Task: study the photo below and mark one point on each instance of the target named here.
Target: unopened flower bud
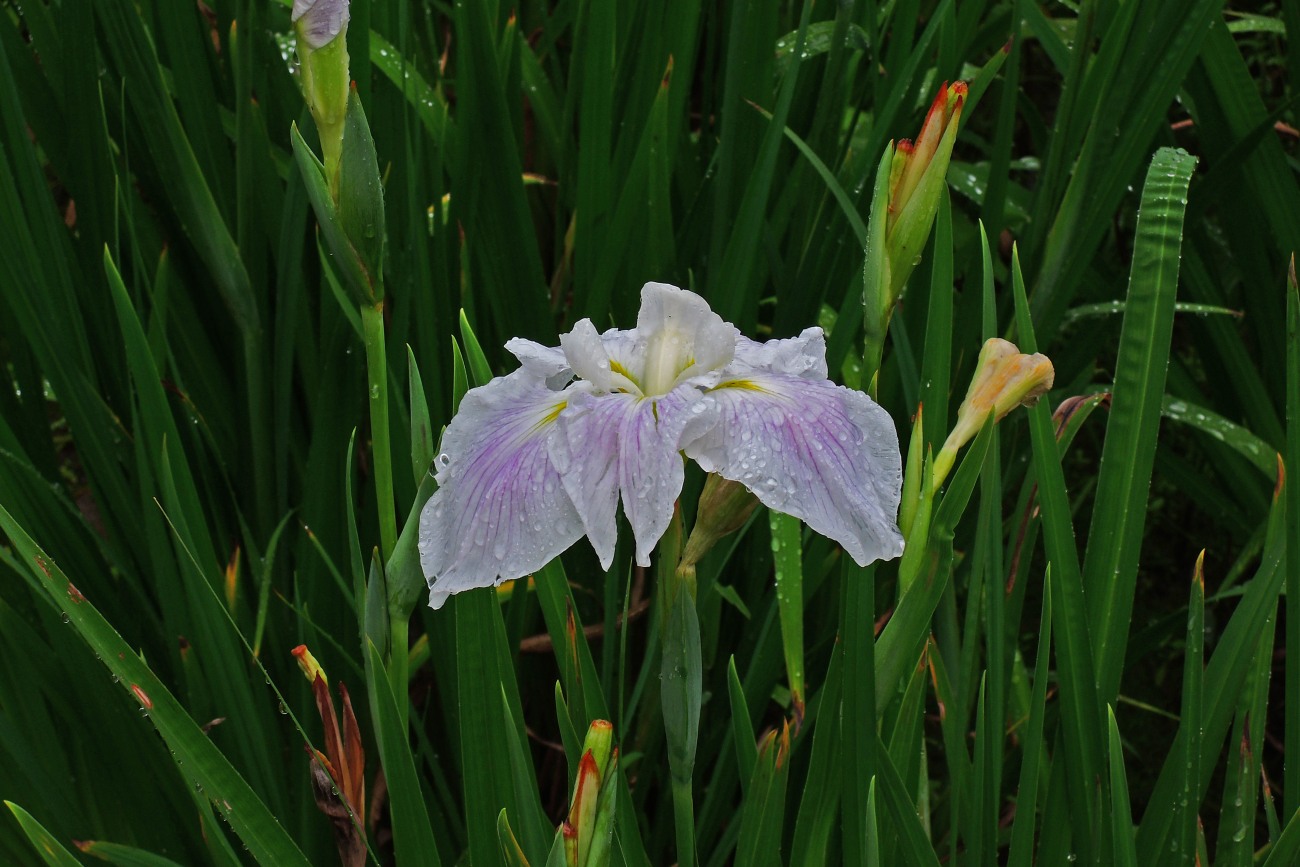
(589, 825)
(723, 509)
(322, 27)
(319, 22)
(308, 664)
(917, 176)
(1005, 378)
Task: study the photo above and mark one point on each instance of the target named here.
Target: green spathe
(322, 28)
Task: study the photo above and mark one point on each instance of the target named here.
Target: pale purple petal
(586, 456)
(809, 448)
(320, 21)
(500, 511)
(620, 443)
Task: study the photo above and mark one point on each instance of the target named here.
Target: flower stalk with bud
(347, 194)
(1005, 378)
(322, 29)
(910, 180)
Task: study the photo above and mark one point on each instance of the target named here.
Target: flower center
(668, 352)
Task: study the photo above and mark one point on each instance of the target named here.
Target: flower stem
(684, 819)
(372, 318)
(399, 662)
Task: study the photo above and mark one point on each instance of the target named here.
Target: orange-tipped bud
(917, 173)
(588, 829)
(308, 664)
(930, 151)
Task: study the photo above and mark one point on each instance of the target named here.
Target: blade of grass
(1121, 814)
(859, 710)
(491, 205)
(818, 806)
(761, 816)
(1021, 851)
(52, 852)
(1120, 103)
(1291, 691)
(413, 840)
(787, 552)
(124, 856)
(916, 846)
(1082, 723)
(736, 278)
(1224, 678)
(1189, 801)
(204, 763)
(680, 690)
(742, 734)
(1287, 847)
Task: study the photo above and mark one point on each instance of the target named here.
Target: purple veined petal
(501, 510)
(812, 449)
(319, 21)
(546, 362)
(803, 356)
(624, 444)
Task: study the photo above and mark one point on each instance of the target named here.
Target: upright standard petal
(622, 443)
(501, 510)
(807, 447)
(681, 337)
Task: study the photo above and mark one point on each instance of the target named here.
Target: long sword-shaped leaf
(1082, 719)
(1291, 772)
(52, 852)
(1115, 540)
(203, 762)
(1121, 816)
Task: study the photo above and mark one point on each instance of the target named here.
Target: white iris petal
(524, 481)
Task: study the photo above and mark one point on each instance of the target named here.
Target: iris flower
(537, 459)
